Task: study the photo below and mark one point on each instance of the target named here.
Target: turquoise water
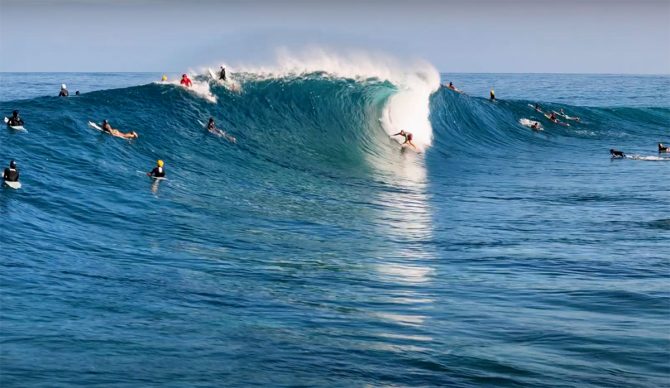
(314, 252)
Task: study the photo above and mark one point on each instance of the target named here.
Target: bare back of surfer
(106, 127)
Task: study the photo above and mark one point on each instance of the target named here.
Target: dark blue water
(314, 252)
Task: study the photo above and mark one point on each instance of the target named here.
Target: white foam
(199, 88)
(415, 80)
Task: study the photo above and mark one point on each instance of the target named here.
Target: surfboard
(211, 74)
(573, 118)
(529, 123)
(93, 125)
(13, 185)
(15, 127)
(556, 121)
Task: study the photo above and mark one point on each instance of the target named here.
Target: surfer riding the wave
(185, 81)
(408, 137)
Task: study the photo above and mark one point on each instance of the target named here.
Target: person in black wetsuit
(210, 125)
(15, 120)
(492, 95)
(662, 148)
(11, 173)
(158, 171)
(222, 74)
(617, 154)
(63, 91)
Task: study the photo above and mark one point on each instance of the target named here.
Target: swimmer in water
(408, 137)
(107, 128)
(158, 171)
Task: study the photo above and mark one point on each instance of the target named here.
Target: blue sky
(575, 36)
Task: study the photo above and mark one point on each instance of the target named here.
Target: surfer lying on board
(662, 148)
(158, 171)
(211, 127)
(535, 126)
(617, 154)
(115, 132)
(565, 115)
(538, 108)
(15, 120)
(11, 174)
(408, 137)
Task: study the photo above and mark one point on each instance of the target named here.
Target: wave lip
(408, 108)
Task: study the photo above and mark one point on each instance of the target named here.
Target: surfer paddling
(408, 137)
(662, 148)
(107, 128)
(617, 154)
(211, 127)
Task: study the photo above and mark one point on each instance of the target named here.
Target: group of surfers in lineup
(552, 116)
(11, 173)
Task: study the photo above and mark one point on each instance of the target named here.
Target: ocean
(316, 251)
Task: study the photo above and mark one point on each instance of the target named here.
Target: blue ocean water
(314, 252)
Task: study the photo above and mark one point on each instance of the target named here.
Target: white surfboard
(15, 127)
(93, 125)
(529, 123)
(13, 185)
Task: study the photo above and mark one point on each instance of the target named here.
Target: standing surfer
(222, 74)
(185, 81)
(492, 95)
(408, 137)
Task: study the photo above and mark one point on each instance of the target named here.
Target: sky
(522, 36)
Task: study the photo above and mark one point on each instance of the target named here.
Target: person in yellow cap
(164, 78)
(492, 96)
(158, 171)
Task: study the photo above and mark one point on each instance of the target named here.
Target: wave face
(316, 251)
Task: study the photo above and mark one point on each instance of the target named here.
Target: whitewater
(316, 250)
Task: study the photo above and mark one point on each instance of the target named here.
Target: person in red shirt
(186, 81)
